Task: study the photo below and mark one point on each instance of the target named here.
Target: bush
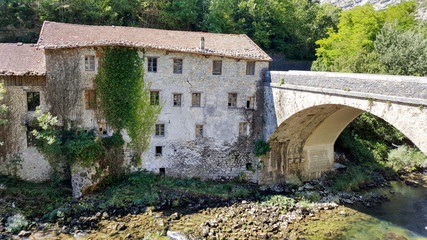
(404, 158)
(261, 147)
(16, 223)
(278, 200)
(355, 178)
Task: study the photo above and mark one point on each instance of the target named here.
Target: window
(90, 99)
(217, 67)
(232, 100)
(199, 130)
(195, 100)
(162, 171)
(152, 64)
(177, 66)
(159, 151)
(250, 68)
(249, 167)
(177, 100)
(103, 129)
(90, 63)
(243, 129)
(250, 102)
(160, 129)
(33, 100)
(154, 97)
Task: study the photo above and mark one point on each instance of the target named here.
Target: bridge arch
(302, 125)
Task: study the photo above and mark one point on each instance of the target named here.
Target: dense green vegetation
(287, 26)
(381, 42)
(125, 97)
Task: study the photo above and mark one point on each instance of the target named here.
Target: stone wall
(221, 152)
(18, 157)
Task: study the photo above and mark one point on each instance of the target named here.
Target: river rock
(393, 236)
(411, 183)
(176, 236)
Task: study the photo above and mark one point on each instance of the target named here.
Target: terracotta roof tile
(63, 35)
(21, 59)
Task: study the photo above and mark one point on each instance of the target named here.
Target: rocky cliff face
(378, 5)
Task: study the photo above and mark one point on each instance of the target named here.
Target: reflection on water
(404, 214)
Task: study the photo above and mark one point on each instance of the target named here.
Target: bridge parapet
(404, 89)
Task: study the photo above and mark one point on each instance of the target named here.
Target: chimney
(202, 43)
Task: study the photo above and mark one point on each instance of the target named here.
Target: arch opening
(303, 144)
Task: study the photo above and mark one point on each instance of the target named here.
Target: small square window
(199, 130)
(232, 100)
(217, 67)
(243, 129)
(159, 151)
(90, 99)
(154, 97)
(90, 63)
(177, 66)
(249, 166)
(152, 64)
(195, 99)
(160, 129)
(250, 102)
(33, 100)
(162, 171)
(250, 68)
(177, 100)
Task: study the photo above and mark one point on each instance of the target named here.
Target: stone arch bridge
(305, 112)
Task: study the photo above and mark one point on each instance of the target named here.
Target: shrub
(16, 223)
(261, 147)
(404, 158)
(278, 200)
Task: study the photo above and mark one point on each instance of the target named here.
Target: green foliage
(308, 196)
(16, 223)
(261, 147)
(63, 146)
(404, 158)
(278, 200)
(32, 199)
(351, 48)
(355, 178)
(18, 13)
(125, 97)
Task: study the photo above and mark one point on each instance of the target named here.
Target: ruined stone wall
(221, 152)
(18, 157)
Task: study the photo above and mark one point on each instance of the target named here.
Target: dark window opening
(249, 166)
(250, 68)
(162, 171)
(152, 64)
(177, 100)
(33, 100)
(195, 100)
(159, 151)
(154, 97)
(217, 67)
(232, 100)
(177, 66)
(250, 102)
(160, 129)
(199, 130)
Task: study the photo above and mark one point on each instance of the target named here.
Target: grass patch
(148, 189)
(31, 199)
(354, 179)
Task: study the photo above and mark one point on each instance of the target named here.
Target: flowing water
(405, 215)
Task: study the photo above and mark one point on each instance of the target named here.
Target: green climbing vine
(125, 97)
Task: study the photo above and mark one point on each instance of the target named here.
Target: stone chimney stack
(202, 43)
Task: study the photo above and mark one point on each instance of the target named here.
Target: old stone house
(210, 86)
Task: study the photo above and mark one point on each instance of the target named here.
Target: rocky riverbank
(278, 212)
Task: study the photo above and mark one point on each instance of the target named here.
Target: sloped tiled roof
(21, 59)
(63, 35)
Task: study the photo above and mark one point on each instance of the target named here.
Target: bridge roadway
(305, 112)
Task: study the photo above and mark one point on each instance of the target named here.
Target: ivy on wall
(125, 97)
